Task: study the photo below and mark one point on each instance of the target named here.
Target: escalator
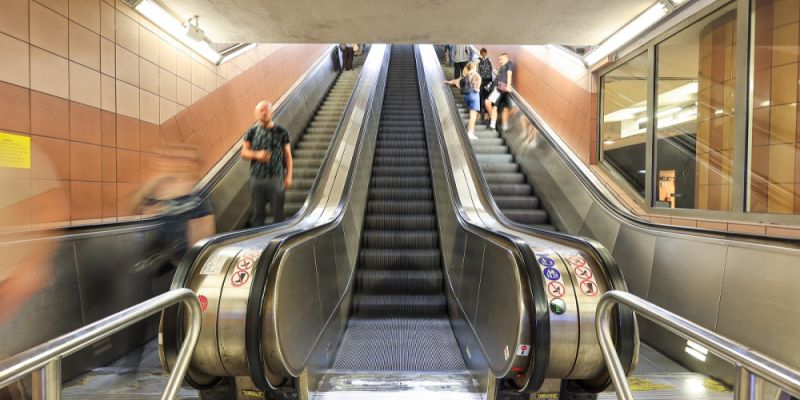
(512, 192)
(399, 323)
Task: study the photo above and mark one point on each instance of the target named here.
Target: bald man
(267, 146)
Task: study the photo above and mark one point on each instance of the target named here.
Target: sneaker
(505, 127)
(471, 135)
(492, 125)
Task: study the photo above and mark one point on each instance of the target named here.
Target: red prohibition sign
(576, 260)
(583, 272)
(245, 264)
(589, 287)
(556, 289)
(239, 278)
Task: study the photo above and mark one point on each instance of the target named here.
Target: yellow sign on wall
(15, 151)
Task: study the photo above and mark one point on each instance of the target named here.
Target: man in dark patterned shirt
(267, 146)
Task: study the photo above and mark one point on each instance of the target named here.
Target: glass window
(695, 115)
(774, 176)
(623, 130)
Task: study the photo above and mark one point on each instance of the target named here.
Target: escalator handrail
(626, 329)
(518, 248)
(202, 189)
(183, 272)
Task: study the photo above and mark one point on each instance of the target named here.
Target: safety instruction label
(239, 278)
(15, 151)
(588, 284)
(553, 280)
(523, 350)
(214, 264)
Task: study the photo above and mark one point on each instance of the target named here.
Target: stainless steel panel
(634, 252)
(471, 276)
(687, 278)
(601, 227)
(326, 267)
(760, 306)
(344, 265)
(298, 316)
(455, 268)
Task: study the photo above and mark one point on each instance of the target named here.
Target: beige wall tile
(108, 97)
(210, 81)
(127, 32)
(59, 6)
(197, 93)
(184, 92)
(782, 125)
(198, 73)
(84, 46)
(784, 84)
(49, 30)
(149, 45)
(781, 163)
(167, 57)
(127, 66)
(108, 57)
(167, 110)
(49, 73)
(107, 21)
(15, 67)
(184, 65)
(168, 85)
(84, 85)
(127, 99)
(14, 18)
(127, 10)
(148, 107)
(86, 13)
(148, 76)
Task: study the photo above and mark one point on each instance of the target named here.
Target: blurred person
(267, 146)
(448, 54)
(187, 218)
(500, 98)
(460, 55)
(470, 84)
(26, 254)
(347, 53)
(485, 70)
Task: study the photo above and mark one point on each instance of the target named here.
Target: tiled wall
(98, 88)
(559, 89)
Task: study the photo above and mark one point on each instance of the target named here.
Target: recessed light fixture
(609, 141)
(166, 21)
(626, 33)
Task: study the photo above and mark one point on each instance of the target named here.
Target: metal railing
(750, 365)
(44, 361)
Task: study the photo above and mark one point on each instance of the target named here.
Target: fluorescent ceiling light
(628, 32)
(237, 52)
(164, 20)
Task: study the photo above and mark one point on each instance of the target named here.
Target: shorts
(473, 101)
(504, 101)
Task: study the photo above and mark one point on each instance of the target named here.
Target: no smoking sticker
(583, 272)
(556, 289)
(589, 287)
(239, 278)
(576, 260)
(523, 350)
(245, 264)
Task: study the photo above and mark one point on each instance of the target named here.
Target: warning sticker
(239, 278)
(546, 261)
(523, 350)
(203, 302)
(551, 273)
(214, 264)
(15, 151)
(556, 289)
(245, 264)
(576, 260)
(589, 287)
(583, 272)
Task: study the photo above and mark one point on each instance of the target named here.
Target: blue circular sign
(546, 261)
(552, 274)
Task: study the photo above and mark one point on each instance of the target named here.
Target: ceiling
(568, 22)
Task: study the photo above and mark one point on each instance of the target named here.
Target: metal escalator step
(494, 158)
(401, 194)
(295, 195)
(480, 149)
(504, 177)
(320, 154)
(400, 222)
(401, 161)
(400, 182)
(399, 281)
(399, 207)
(516, 202)
(312, 145)
(400, 239)
(510, 189)
(400, 144)
(530, 217)
(401, 153)
(499, 167)
(417, 306)
(305, 172)
(488, 142)
(405, 259)
(400, 171)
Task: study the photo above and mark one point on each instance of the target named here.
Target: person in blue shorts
(470, 86)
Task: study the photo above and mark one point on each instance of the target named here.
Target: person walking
(347, 53)
(266, 145)
(470, 86)
(461, 55)
(485, 70)
(500, 98)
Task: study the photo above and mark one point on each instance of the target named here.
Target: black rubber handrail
(626, 321)
(172, 335)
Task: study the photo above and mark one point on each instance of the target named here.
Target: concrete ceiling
(569, 22)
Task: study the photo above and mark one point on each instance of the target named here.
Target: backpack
(485, 69)
(464, 85)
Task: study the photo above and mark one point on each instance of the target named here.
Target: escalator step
(405, 259)
(401, 194)
(515, 202)
(400, 171)
(400, 222)
(399, 281)
(399, 207)
(505, 177)
(510, 189)
(532, 217)
(400, 239)
(401, 161)
(400, 181)
(417, 306)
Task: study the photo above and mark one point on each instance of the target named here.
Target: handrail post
(187, 348)
(747, 385)
(614, 365)
(47, 381)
